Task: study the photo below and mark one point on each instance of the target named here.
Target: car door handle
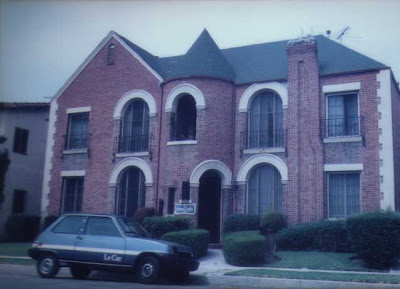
(79, 238)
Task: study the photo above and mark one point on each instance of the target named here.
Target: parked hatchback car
(85, 242)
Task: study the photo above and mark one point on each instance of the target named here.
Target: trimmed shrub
(272, 222)
(158, 226)
(195, 239)
(375, 237)
(142, 213)
(245, 248)
(48, 221)
(241, 222)
(22, 228)
(326, 236)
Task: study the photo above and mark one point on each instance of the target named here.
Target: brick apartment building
(308, 127)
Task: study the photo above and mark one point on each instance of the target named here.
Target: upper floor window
(343, 118)
(72, 194)
(111, 54)
(134, 134)
(265, 121)
(343, 194)
(77, 135)
(21, 140)
(183, 122)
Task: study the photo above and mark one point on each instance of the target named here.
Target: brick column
(305, 149)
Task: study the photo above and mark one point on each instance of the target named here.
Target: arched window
(183, 122)
(264, 190)
(131, 192)
(265, 121)
(134, 135)
(111, 54)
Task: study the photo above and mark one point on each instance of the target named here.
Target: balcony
(264, 140)
(342, 129)
(132, 144)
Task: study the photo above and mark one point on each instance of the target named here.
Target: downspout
(234, 189)
(159, 145)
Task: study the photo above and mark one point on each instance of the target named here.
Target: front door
(210, 204)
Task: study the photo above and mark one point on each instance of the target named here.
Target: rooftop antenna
(341, 34)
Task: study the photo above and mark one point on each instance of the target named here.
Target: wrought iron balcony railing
(76, 141)
(274, 138)
(131, 144)
(342, 127)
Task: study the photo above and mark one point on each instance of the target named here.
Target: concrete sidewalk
(213, 267)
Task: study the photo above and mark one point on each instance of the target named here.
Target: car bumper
(173, 262)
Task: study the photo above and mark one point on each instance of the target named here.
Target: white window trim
(220, 167)
(131, 162)
(75, 151)
(343, 167)
(73, 173)
(266, 150)
(342, 87)
(327, 95)
(135, 94)
(182, 142)
(327, 190)
(343, 139)
(184, 88)
(278, 88)
(79, 109)
(137, 154)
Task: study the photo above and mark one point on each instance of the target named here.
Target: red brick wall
(99, 86)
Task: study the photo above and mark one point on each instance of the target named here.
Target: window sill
(135, 154)
(75, 151)
(182, 142)
(343, 139)
(266, 150)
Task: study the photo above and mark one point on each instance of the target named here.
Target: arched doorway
(209, 207)
(131, 192)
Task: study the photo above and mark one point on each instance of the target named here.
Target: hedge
(245, 248)
(195, 239)
(272, 221)
(241, 222)
(22, 228)
(326, 236)
(375, 237)
(158, 226)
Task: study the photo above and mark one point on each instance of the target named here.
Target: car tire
(148, 270)
(79, 271)
(47, 266)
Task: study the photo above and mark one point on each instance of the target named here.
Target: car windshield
(132, 227)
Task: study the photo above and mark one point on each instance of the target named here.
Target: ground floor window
(264, 190)
(131, 192)
(72, 194)
(343, 194)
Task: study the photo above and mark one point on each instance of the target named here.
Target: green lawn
(347, 277)
(15, 249)
(318, 260)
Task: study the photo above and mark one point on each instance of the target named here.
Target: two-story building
(308, 127)
(23, 127)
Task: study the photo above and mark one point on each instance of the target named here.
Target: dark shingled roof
(252, 63)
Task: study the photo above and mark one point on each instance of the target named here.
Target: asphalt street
(25, 277)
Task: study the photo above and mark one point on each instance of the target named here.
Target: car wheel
(148, 270)
(47, 266)
(79, 271)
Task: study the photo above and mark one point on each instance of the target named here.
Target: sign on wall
(185, 209)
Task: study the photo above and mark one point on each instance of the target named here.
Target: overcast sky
(43, 42)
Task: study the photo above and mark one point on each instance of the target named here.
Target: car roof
(91, 215)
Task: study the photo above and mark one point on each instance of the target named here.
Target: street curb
(275, 283)
(14, 257)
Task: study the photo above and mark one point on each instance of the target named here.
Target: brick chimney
(305, 149)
